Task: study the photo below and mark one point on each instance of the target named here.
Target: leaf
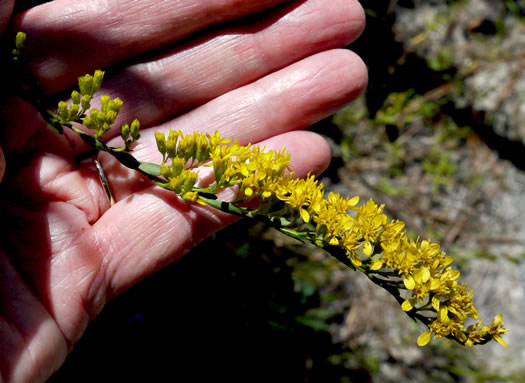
(150, 168)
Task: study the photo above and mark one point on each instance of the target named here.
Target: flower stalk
(416, 272)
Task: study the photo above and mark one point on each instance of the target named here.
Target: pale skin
(188, 64)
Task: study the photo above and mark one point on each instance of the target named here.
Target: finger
(6, 8)
(290, 99)
(68, 38)
(150, 229)
(229, 58)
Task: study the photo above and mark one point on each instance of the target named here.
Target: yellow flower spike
(424, 339)
(248, 192)
(409, 282)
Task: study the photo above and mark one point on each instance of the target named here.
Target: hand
(254, 70)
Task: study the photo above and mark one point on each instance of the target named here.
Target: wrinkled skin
(189, 64)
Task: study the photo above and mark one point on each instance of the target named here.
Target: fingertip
(356, 74)
(357, 21)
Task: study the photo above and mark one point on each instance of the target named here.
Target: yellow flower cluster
(417, 270)
(256, 172)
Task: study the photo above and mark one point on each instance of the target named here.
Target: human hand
(188, 65)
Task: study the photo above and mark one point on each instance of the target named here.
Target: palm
(66, 250)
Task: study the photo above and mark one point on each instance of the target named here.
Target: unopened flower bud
(20, 39)
(124, 132)
(135, 127)
(75, 97)
(161, 143)
(86, 102)
(85, 84)
(63, 110)
(73, 111)
(97, 80)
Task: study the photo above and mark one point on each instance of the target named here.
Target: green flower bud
(73, 111)
(175, 184)
(124, 132)
(171, 144)
(75, 97)
(85, 84)
(97, 80)
(161, 143)
(89, 123)
(203, 149)
(186, 147)
(177, 166)
(165, 171)
(94, 118)
(111, 116)
(189, 180)
(20, 39)
(86, 102)
(104, 100)
(135, 127)
(63, 110)
(115, 105)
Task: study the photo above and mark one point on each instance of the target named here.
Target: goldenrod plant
(416, 272)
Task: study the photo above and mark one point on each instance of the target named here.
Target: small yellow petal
(367, 248)
(376, 265)
(356, 261)
(248, 192)
(425, 274)
(304, 215)
(407, 305)
(354, 201)
(409, 282)
(436, 303)
(424, 339)
(435, 283)
(334, 241)
(443, 314)
(500, 340)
